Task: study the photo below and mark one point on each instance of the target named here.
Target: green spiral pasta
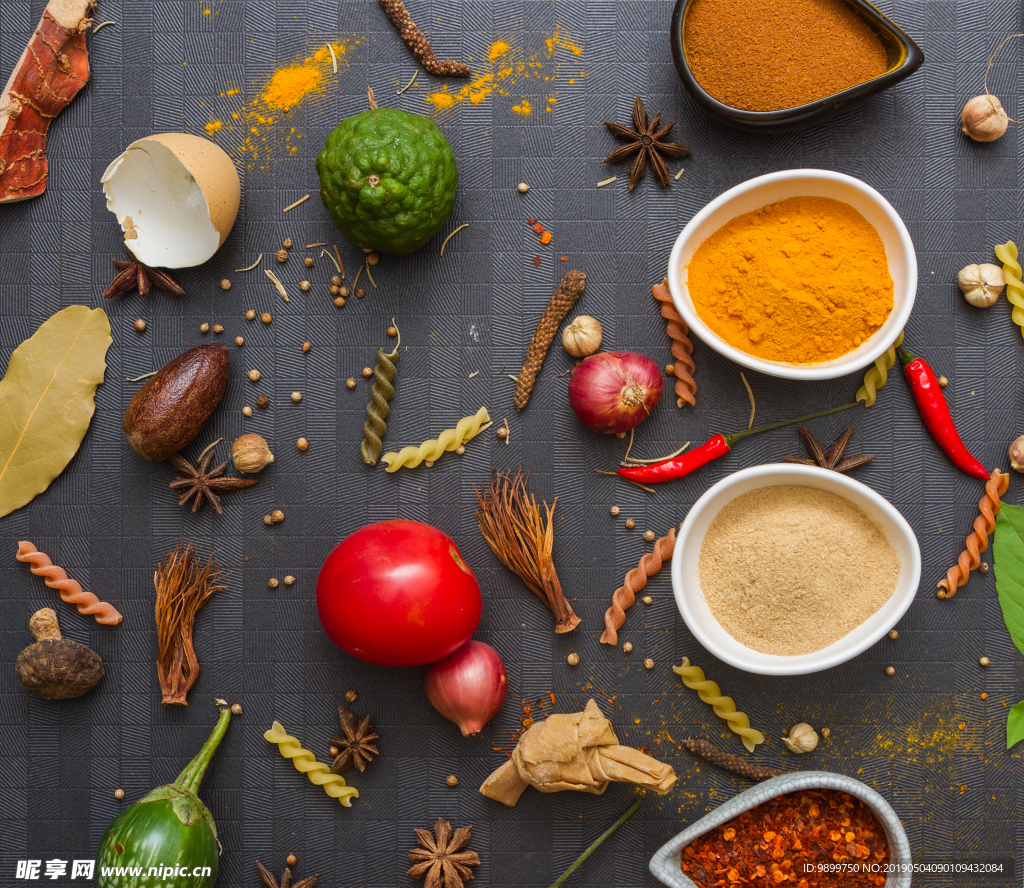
(378, 409)
(724, 707)
(317, 772)
(1007, 254)
(878, 374)
(467, 427)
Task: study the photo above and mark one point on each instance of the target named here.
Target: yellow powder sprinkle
(498, 49)
(213, 126)
(523, 108)
(289, 86)
(442, 99)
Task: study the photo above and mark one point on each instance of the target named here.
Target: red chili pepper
(931, 403)
(718, 445)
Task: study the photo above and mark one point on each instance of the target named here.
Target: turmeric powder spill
(801, 281)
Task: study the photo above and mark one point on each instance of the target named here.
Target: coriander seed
(614, 511)
(302, 444)
(308, 262)
(306, 347)
(620, 435)
(825, 733)
(335, 280)
(266, 317)
(239, 341)
(451, 780)
(335, 290)
(277, 516)
(291, 860)
(305, 286)
(204, 328)
(272, 582)
(392, 331)
(429, 463)
(351, 697)
(281, 256)
(225, 284)
(502, 433)
(670, 369)
(250, 315)
(267, 519)
(119, 794)
(360, 292)
(140, 325)
(254, 375)
(627, 647)
(296, 397)
(893, 634)
(649, 536)
(573, 659)
(984, 661)
(367, 372)
(461, 449)
(247, 410)
(334, 752)
(350, 383)
(288, 243)
(340, 302)
(344, 290)
(263, 401)
(630, 523)
(648, 663)
(647, 599)
(890, 671)
(289, 580)
(522, 188)
(218, 328)
(943, 381)
(983, 567)
(372, 258)
(236, 708)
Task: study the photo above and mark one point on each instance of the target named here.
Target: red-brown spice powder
(783, 842)
(765, 55)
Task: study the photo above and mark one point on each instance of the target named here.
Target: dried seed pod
(281, 256)
(54, 667)
(250, 315)
(288, 243)
(308, 262)
(250, 454)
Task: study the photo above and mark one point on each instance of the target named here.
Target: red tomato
(397, 593)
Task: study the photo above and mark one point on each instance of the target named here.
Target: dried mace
(645, 142)
(56, 668)
(512, 524)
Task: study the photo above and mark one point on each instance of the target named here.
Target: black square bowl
(903, 55)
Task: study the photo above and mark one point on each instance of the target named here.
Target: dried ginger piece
(50, 73)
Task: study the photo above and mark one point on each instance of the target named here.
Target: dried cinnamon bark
(49, 74)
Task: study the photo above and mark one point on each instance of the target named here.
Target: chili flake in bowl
(811, 829)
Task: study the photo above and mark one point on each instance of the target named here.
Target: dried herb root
(729, 762)
(420, 46)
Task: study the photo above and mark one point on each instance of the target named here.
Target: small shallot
(468, 687)
(612, 392)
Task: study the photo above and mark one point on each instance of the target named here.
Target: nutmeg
(251, 454)
(56, 668)
(984, 119)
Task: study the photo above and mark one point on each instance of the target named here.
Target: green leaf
(1015, 725)
(1008, 561)
(46, 401)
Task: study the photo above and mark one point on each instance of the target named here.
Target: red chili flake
(545, 238)
(538, 228)
(785, 840)
(530, 221)
(536, 260)
(563, 258)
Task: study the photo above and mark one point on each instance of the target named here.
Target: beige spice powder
(789, 570)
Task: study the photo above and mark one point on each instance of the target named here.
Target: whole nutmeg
(251, 454)
(984, 119)
(56, 668)
(582, 337)
(1017, 455)
(802, 738)
(981, 284)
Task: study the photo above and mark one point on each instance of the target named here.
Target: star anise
(442, 860)
(834, 458)
(135, 275)
(286, 879)
(357, 747)
(198, 483)
(646, 141)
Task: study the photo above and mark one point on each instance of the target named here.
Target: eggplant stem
(189, 779)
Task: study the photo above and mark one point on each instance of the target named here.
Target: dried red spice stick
(49, 74)
(420, 46)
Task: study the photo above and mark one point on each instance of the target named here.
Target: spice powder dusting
(789, 570)
(766, 55)
(801, 281)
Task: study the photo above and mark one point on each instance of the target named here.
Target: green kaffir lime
(388, 179)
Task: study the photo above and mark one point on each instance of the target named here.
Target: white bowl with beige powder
(789, 569)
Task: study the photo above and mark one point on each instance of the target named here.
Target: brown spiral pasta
(635, 580)
(977, 541)
(682, 348)
(70, 590)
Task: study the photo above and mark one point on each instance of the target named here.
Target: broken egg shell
(175, 196)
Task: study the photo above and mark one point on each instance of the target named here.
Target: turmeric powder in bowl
(801, 281)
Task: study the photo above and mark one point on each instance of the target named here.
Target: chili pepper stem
(906, 355)
(595, 845)
(731, 440)
(189, 779)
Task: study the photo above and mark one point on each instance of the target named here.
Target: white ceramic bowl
(665, 865)
(754, 194)
(709, 632)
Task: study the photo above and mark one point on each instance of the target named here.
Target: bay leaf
(1015, 725)
(47, 399)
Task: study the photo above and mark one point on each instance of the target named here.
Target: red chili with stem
(716, 446)
(934, 410)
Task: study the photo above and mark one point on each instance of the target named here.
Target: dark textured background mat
(923, 738)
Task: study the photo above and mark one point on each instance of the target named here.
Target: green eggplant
(167, 838)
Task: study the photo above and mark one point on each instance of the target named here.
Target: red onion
(468, 687)
(612, 392)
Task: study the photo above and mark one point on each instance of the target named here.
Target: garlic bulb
(582, 337)
(984, 119)
(981, 284)
(1017, 455)
(251, 454)
(802, 738)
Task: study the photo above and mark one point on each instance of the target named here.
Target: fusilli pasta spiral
(878, 374)
(1007, 254)
(410, 457)
(636, 579)
(977, 540)
(682, 347)
(378, 409)
(317, 772)
(724, 707)
(70, 590)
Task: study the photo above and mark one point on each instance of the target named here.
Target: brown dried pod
(56, 668)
